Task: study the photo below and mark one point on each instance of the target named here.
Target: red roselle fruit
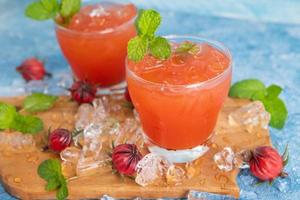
(83, 92)
(127, 95)
(32, 69)
(266, 164)
(125, 158)
(59, 139)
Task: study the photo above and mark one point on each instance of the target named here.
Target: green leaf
(52, 184)
(137, 48)
(42, 9)
(278, 112)
(147, 22)
(7, 115)
(187, 47)
(39, 102)
(273, 91)
(140, 11)
(62, 192)
(259, 96)
(50, 170)
(246, 88)
(69, 8)
(27, 124)
(160, 48)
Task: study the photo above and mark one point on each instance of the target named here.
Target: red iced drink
(178, 99)
(95, 41)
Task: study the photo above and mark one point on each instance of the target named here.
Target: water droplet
(221, 178)
(17, 180)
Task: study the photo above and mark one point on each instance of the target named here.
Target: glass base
(178, 156)
(114, 89)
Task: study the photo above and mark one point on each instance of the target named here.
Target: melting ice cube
(224, 159)
(151, 170)
(251, 116)
(16, 141)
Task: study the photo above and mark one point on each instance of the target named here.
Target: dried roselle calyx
(125, 158)
(267, 164)
(83, 92)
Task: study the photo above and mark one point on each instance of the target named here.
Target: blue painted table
(263, 36)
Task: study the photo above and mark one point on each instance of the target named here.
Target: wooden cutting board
(18, 170)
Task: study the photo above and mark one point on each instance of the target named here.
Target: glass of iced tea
(94, 42)
(178, 99)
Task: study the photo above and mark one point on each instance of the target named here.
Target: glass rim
(102, 32)
(216, 44)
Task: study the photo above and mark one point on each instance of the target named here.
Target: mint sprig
(42, 10)
(254, 89)
(50, 171)
(10, 119)
(146, 41)
(187, 47)
(61, 11)
(27, 124)
(39, 102)
(7, 115)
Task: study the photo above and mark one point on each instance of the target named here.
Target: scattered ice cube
(252, 115)
(106, 197)
(98, 11)
(70, 154)
(283, 184)
(100, 109)
(248, 195)
(224, 159)
(151, 170)
(197, 195)
(36, 86)
(84, 116)
(63, 80)
(16, 141)
(175, 175)
(91, 156)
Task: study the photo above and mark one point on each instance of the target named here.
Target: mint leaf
(39, 102)
(246, 88)
(187, 47)
(147, 22)
(137, 48)
(42, 9)
(160, 48)
(69, 8)
(27, 124)
(273, 91)
(50, 171)
(278, 112)
(259, 96)
(7, 115)
(52, 184)
(62, 192)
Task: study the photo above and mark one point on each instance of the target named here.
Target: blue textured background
(263, 36)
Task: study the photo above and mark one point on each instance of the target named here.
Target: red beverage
(95, 42)
(178, 99)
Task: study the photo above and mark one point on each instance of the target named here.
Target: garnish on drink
(177, 84)
(60, 11)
